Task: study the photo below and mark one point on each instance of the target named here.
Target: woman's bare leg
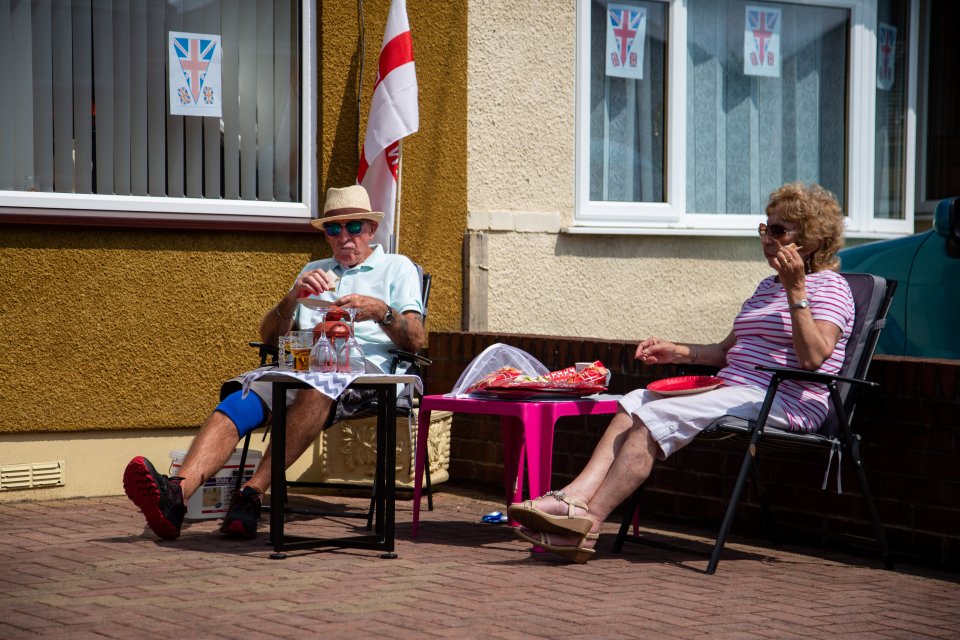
(588, 481)
(622, 432)
(629, 470)
(636, 451)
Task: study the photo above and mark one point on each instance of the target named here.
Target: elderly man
(384, 288)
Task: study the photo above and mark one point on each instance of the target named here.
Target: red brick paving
(87, 569)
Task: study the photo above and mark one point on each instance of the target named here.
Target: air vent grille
(31, 476)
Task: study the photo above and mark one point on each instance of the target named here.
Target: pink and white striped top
(763, 331)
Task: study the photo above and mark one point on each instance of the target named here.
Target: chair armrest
(813, 376)
(266, 350)
(407, 356)
(688, 369)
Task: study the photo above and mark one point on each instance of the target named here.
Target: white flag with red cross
(394, 114)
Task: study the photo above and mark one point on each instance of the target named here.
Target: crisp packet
(495, 377)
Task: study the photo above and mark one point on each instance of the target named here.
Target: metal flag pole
(395, 245)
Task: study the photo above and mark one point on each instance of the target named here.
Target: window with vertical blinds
(85, 105)
(737, 97)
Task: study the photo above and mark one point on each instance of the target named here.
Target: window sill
(155, 220)
(699, 232)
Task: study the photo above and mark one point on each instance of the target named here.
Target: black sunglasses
(775, 231)
(354, 228)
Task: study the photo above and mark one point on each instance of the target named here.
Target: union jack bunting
(886, 54)
(761, 42)
(626, 35)
(194, 61)
(194, 55)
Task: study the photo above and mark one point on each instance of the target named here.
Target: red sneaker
(242, 514)
(159, 497)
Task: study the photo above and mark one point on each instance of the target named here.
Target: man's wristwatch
(388, 318)
(803, 304)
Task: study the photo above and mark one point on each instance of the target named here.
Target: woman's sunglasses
(333, 229)
(775, 231)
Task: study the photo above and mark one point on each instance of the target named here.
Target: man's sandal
(527, 514)
(578, 554)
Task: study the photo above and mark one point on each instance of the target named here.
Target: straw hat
(348, 203)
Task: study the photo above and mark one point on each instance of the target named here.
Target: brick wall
(911, 438)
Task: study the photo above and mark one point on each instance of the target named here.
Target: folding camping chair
(268, 354)
(872, 296)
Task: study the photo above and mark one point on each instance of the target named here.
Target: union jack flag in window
(761, 42)
(195, 74)
(886, 54)
(626, 35)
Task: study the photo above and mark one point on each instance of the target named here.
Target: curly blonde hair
(816, 212)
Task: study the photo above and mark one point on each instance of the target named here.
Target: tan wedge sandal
(527, 514)
(578, 554)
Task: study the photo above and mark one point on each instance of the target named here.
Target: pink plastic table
(527, 430)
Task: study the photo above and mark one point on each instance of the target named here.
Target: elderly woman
(799, 317)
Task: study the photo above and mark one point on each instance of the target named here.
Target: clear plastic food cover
(497, 357)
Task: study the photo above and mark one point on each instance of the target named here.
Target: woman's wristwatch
(802, 304)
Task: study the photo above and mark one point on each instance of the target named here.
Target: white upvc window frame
(924, 205)
(69, 208)
(671, 217)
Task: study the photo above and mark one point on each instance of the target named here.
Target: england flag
(394, 114)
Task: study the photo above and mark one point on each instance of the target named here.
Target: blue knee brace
(247, 413)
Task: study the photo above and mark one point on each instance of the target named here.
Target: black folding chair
(269, 354)
(872, 296)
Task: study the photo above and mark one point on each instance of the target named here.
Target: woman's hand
(791, 268)
(813, 340)
(656, 351)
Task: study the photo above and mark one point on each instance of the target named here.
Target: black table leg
(383, 538)
(278, 471)
(387, 465)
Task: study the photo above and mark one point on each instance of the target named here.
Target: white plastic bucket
(212, 499)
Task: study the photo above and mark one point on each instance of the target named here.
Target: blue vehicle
(924, 319)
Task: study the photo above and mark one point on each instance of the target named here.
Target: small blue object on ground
(495, 517)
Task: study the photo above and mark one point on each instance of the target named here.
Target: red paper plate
(684, 385)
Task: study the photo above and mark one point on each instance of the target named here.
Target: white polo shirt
(389, 277)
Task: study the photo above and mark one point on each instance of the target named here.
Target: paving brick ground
(87, 569)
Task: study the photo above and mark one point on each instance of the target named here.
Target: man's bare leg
(305, 419)
(209, 451)
(163, 500)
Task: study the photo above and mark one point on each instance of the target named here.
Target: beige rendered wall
(521, 176)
